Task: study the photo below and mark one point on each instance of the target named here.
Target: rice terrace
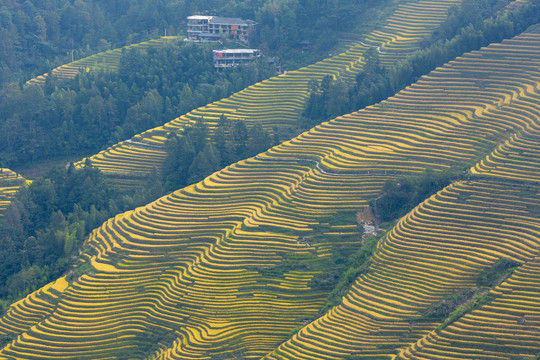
(366, 186)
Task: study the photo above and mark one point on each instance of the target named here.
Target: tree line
(195, 154)
(98, 109)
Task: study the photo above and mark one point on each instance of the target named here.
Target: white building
(234, 57)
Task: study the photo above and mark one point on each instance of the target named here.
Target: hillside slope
(279, 101)
(438, 250)
(506, 328)
(229, 266)
(446, 242)
(107, 60)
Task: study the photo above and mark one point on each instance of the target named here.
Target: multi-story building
(214, 28)
(234, 57)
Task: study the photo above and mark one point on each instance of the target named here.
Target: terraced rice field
(515, 157)
(10, 182)
(278, 101)
(201, 272)
(107, 61)
(33, 308)
(507, 328)
(439, 247)
(409, 25)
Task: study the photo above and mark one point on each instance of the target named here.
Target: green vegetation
(327, 100)
(196, 153)
(401, 195)
(49, 219)
(449, 304)
(497, 273)
(355, 265)
(476, 302)
(95, 110)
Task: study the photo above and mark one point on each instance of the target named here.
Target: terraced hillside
(229, 266)
(439, 248)
(10, 182)
(507, 328)
(515, 158)
(107, 60)
(448, 240)
(279, 101)
(407, 27)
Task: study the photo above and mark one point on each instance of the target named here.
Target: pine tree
(205, 163)
(259, 140)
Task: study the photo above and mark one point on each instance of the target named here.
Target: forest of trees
(46, 223)
(401, 195)
(95, 110)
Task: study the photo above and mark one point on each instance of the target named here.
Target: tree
(12, 224)
(240, 135)
(9, 262)
(39, 27)
(147, 113)
(58, 221)
(224, 142)
(258, 140)
(316, 109)
(180, 155)
(198, 134)
(70, 240)
(337, 99)
(205, 163)
(32, 252)
(373, 61)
